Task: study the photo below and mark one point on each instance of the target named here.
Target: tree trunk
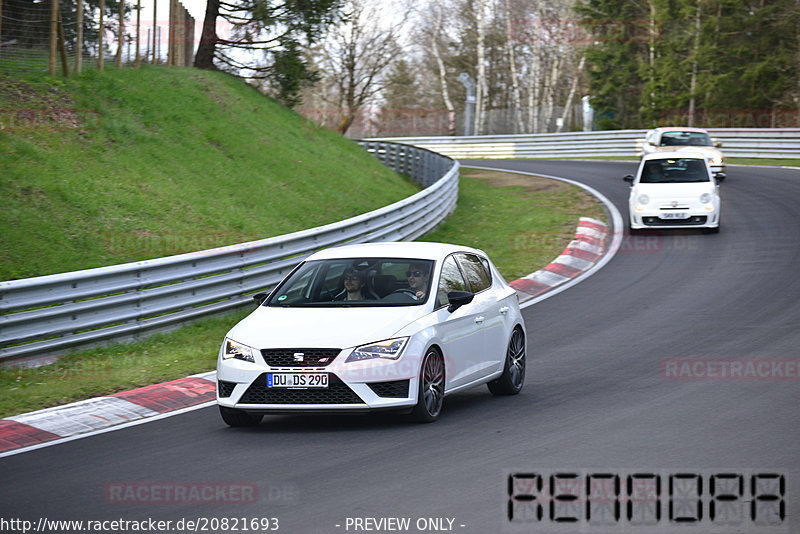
(571, 95)
(480, 82)
(512, 64)
(695, 53)
(439, 61)
(549, 91)
(442, 71)
(534, 83)
(652, 54)
(204, 59)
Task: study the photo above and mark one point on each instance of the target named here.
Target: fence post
(53, 31)
(62, 47)
(138, 31)
(100, 36)
(155, 25)
(78, 38)
(171, 34)
(121, 38)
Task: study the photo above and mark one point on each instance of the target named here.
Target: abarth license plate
(297, 380)
(675, 215)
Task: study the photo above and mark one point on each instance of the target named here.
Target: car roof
(674, 154)
(681, 129)
(399, 249)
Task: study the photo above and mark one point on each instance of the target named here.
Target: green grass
(125, 165)
(521, 222)
(102, 371)
(764, 161)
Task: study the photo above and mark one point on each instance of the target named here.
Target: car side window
(477, 276)
(450, 280)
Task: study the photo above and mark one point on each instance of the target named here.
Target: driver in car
(418, 277)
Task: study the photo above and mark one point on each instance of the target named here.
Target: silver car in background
(680, 138)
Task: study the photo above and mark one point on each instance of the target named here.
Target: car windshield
(685, 139)
(676, 170)
(345, 282)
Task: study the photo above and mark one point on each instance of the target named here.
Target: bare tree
(512, 65)
(434, 49)
(355, 57)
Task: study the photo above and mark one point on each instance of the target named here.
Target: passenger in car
(418, 277)
(354, 289)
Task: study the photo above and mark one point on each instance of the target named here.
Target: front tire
(430, 394)
(513, 377)
(237, 418)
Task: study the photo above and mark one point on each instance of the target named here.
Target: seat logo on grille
(299, 356)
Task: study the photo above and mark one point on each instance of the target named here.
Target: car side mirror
(628, 178)
(458, 299)
(652, 143)
(259, 298)
(718, 144)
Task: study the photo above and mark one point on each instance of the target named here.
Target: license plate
(674, 215)
(297, 380)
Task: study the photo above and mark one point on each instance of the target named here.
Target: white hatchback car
(674, 190)
(680, 138)
(395, 326)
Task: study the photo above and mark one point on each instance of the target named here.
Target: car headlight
(239, 351)
(643, 199)
(716, 160)
(389, 349)
(705, 198)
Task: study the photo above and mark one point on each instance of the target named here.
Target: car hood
(322, 327)
(675, 191)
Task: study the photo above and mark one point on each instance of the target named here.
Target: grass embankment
(125, 165)
(521, 222)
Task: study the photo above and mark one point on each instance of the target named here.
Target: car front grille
(396, 388)
(691, 221)
(225, 388)
(299, 357)
(337, 392)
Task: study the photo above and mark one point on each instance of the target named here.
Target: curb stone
(100, 413)
(588, 246)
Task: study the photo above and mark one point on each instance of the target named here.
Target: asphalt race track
(614, 387)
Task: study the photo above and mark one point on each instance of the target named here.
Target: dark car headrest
(383, 284)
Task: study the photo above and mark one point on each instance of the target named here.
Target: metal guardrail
(744, 143)
(52, 314)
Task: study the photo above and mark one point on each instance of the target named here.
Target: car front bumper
(656, 218)
(352, 387)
